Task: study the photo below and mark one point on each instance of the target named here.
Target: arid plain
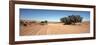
(54, 29)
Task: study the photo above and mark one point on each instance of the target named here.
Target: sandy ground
(54, 28)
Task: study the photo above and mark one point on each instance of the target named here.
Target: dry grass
(54, 28)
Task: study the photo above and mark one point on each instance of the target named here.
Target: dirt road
(54, 28)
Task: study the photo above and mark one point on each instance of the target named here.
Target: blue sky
(50, 15)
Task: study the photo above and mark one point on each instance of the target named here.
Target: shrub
(25, 24)
(44, 22)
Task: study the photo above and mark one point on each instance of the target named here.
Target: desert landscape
(54, 28)
(53, 22)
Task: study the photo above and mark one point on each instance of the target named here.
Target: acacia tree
(72, 19)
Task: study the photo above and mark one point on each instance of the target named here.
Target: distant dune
(54, 28)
